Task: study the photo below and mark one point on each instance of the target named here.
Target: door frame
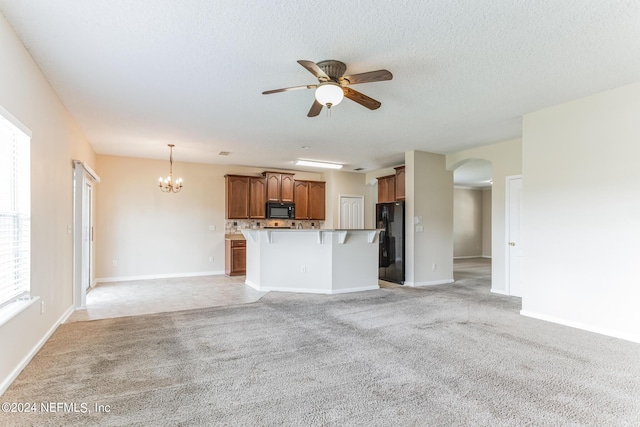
(507, 221)
(83, 177)
(340, 197)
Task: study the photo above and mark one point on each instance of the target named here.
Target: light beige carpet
(451, 355)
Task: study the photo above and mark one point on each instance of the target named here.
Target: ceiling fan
(333, 85)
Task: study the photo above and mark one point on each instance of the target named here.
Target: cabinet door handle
(512, 243)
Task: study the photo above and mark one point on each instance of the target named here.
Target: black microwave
(281, 210)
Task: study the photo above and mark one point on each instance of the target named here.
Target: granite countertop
(235, 236)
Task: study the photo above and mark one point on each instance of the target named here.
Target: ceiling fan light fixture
(318, 164)
(329, 94)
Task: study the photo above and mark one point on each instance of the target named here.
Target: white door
(82, 230)
(351, 212)
(514, 245)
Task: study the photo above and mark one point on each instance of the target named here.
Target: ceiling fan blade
(287, 89)
(315, 109)
(368, 77)
(315, 70)
(361, 99)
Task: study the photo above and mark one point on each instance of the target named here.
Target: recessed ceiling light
(318, 164)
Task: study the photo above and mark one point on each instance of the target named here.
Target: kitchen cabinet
(245, 197)
(387, 189)
(257, 197)
(235, 257)
(280, 186)
(400, 188)
(309, 197)
(237, 197)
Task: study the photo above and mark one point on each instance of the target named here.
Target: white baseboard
(579, 325)
(430, 283)
(471, 256)
(158, 276)
(499, 291)
(4, 385)
(309, 291)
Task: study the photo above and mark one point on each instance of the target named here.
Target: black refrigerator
(390, 218)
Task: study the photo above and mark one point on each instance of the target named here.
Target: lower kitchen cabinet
(235, 257)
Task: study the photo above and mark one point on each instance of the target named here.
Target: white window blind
(15, 213)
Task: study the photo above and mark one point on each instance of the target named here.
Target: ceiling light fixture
(168, 185)
(318, 164)
(329, 94)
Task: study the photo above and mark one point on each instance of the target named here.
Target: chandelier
(167, 184)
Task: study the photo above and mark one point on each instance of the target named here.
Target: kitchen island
(313, 261)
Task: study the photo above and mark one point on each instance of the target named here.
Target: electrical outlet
(114, 263)
(41, 307)
(210, 259)
(303, 269)
(212, 228)
(434, 266)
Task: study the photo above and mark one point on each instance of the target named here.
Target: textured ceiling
(137, 75)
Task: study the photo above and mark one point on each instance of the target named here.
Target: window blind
(15, 213)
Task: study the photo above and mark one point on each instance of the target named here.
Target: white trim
(17, 123)
(158, 276)
(87, 169)
(429, 283)
(309, 291)
(4, 385)
(14, 308)
(500, 291)
(579, 325)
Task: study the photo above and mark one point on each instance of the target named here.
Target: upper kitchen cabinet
(400, 189)
(237, 197)
(245, 197)
(387, 189)
(279, 186)
(310, 200)
(257, 197)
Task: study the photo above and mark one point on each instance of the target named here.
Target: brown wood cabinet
(309, 197)
(400, 188)
(257, 197)
(387, 189)
(301, 197)
(245, 197)
(235, 260)
(280, 186)
(237, 197)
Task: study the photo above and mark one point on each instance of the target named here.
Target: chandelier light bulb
(329, 94)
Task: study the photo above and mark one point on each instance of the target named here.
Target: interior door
(351, 212)
(514, 247)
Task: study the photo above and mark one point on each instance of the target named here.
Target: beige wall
(486, 223)
(581, 213)
(56, 141)
(467, 222)
(506, 160)
(429, 191)
(150, 233)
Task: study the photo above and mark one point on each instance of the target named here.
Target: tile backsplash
(232, 226)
